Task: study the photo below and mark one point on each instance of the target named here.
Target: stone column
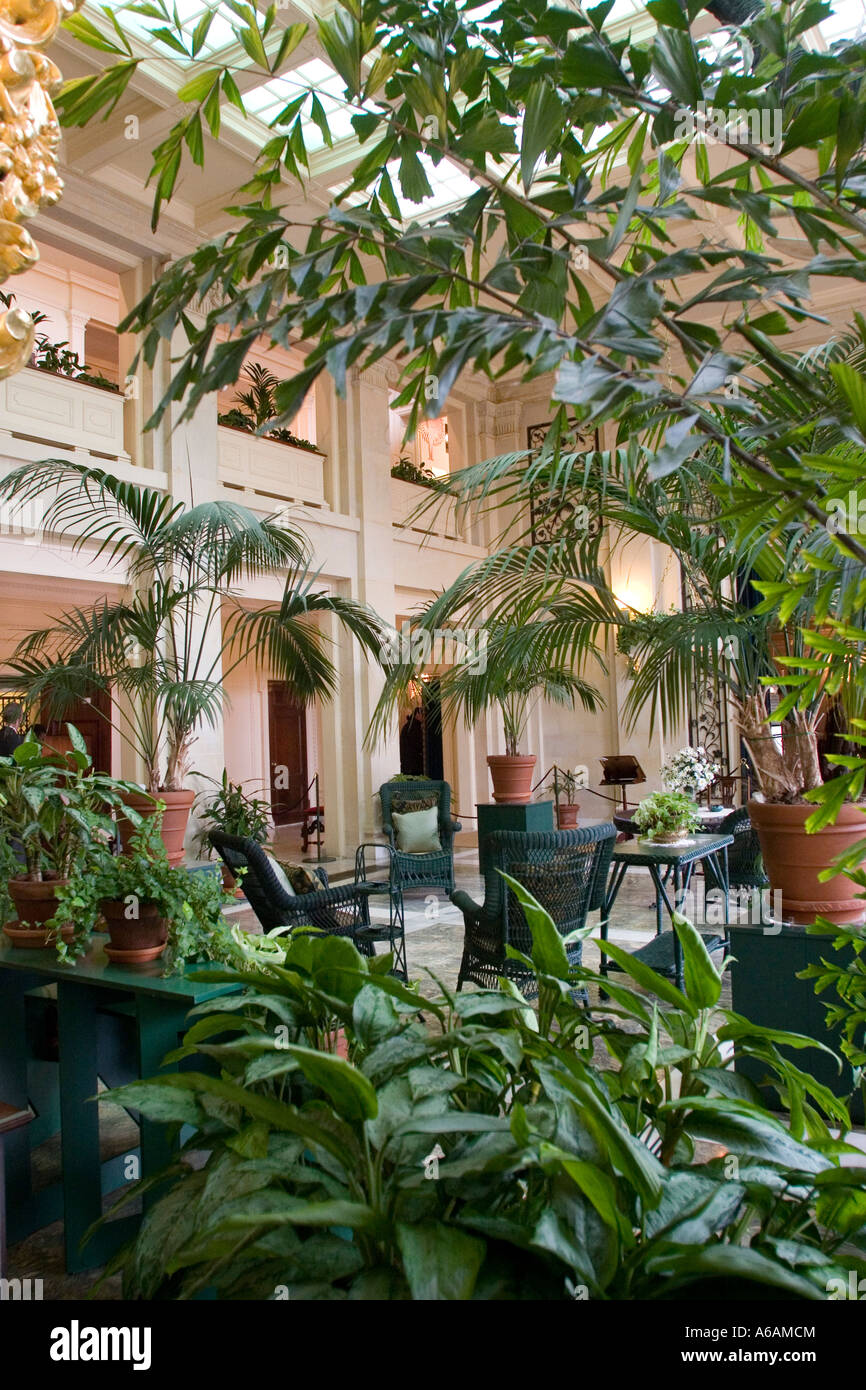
(78, 322)
(143, 388)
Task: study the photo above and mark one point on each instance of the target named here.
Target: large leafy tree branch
(569, 137)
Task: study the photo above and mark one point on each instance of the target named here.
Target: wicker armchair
(745, 862)
(340, 911)
(421, 870)
(566, 871)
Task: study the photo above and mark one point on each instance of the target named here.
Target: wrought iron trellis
(708, 709)
(550, 512)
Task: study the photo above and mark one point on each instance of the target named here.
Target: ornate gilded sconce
(29, 141)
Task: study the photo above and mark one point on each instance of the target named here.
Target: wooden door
(287, 735)
(90, 718)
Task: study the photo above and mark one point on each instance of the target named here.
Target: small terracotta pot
(35, 903)
(174, 820)
(134, 939)
(793, 859)
(567, 814)
(511, 776)
(230, 883)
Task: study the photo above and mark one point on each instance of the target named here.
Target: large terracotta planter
(35, 903)
(511, 776)
(793, 859)
(174, 820)
(137, 939)
(566, 815)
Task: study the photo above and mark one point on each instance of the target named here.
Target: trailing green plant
(258, 406)
(556, 1176)
(192, 903)
(183, 567)
(56, 807)
(233, 811)
(663, 813)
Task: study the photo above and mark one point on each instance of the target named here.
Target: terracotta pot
(230, 883)
(174, 821)
(35, 903)
(567, 814)
(511, 776)
(134, 939)
(793, 859)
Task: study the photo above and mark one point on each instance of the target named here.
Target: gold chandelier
(29, 141)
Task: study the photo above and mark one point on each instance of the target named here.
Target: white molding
(63, 415)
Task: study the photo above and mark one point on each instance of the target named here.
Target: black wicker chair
(340, 911)
(566, 871)
(434, 870)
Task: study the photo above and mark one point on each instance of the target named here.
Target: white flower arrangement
(690, 769)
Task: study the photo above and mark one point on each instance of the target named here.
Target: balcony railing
(62, 415)
(264, 471)
(439, 519)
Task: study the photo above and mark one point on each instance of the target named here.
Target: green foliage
(184, 566)
(233, 811)
(258, 406)
(559, 1175)
(56, 807)
(191, 902)
(410, 472)
(663, 813)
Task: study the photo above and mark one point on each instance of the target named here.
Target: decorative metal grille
(550, 511)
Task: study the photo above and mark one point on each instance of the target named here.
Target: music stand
(621, 770)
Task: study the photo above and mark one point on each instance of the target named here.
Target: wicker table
(666, 861)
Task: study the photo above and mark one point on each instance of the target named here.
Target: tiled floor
(434, 941)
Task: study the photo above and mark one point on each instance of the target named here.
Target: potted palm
(500, 674)
(164, 650)
(230, 809)
(564, 784)
(54, 812)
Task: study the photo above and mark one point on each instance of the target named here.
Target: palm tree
(734, 542)
(510, 671)
(163, 650)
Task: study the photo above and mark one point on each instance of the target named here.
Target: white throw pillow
(417, 831)
(281, 876)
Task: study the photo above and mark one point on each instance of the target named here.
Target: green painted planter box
(765, 990)
(530, 816)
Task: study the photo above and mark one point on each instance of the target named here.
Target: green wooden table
(156, 1006)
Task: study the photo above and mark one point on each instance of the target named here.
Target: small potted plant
(54, 811)
(666, 817)
(149, 907)
(233, 811)
(564, 785)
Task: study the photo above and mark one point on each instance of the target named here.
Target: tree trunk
(783, 774)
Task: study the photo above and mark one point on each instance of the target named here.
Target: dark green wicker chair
(421, 870)
(343, 910)
(566, 871)
(745, 862)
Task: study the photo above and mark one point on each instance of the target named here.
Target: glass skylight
(450, 186)
(848, 21)
(220, 34)
(268, 100)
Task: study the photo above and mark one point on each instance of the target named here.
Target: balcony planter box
(765, 990)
